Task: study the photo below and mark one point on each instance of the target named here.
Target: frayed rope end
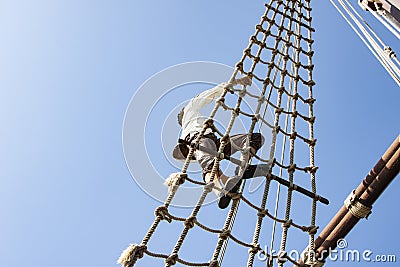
(172, 181)
(126, 255)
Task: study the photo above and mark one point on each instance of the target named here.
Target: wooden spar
(369, 196)
(359, 191)
(382, 174)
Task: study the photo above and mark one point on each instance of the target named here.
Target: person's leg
(238, 142)
(232, 185)
(219, 177)
(206, 161)
(255, 170)
(206, 158)
(256, 141)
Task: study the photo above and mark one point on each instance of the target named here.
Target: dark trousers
(211, 142)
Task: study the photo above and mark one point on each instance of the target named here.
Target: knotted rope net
(279, 59)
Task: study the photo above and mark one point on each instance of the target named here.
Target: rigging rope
(280, 49)
(384, 53)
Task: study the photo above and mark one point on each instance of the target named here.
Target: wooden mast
(359, 203)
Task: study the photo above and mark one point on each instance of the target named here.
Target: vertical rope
(311, 145)
(266, 189)
(283, 152)
(222, 242)
(289, 196)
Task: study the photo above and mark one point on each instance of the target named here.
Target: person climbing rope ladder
(191, 121)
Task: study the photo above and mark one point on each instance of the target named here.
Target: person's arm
(192, 109)
(206, 97)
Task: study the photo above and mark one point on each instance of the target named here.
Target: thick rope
(356, 208)
(311, 145)
(289, 197)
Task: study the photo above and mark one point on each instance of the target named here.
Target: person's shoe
(256, 141)
(255, 171)
(223, 201)
(232, 185)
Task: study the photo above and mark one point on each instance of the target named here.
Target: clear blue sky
(68, 70)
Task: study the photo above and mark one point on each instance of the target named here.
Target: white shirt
(193, 120)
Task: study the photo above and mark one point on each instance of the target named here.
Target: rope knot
(278, 111)
(241, 94)
(195, 145)
(255, 248)
(267, 81)
(161, 212)
(220, 101)
(271, 65)
(130, 255)
(293, 135)
(220, 155)
(247, 52)
(312, 230)
(239, 66)
(214, 264)
(292, 168)
(224, 140)
(209, 123)
(282, 257)
(273, 163)
(292, 186)
(174, 180)
(171, 260)
(209, 187)
(190, 222)
(310, 100)
(261, 99)
(287, 223)
(310, 83)
(312, 169)
(225, 234)
(256, 117)
(312, 142)
(253, 38)
(235, 196)
(262, 213)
